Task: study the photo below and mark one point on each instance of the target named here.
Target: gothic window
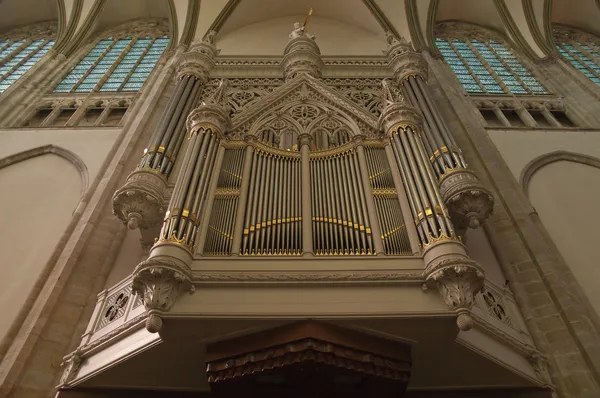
(582, 50)
(115, 64)
(20, 50)
(483, 64)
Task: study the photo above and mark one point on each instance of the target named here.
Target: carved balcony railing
(116, 307)
(496, 311)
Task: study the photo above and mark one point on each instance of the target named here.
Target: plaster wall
(91, 145)
(564, 194)
(37, 198)
(270, 38)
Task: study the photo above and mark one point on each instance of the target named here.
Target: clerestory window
(581, 49)
(483, 64)
(115, 64)
(20, 50)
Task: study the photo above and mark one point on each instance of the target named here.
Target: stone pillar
(468, 202)
(139, 203)
(166, 274)
(307, 235)
(301, 55)
(447, 266)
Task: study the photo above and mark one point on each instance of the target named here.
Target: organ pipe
(273, 208)
(468, 202)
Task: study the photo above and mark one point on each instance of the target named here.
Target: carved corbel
(71, 364)
(139, 203)
(456, 277)
(160, 282)
(467, 200)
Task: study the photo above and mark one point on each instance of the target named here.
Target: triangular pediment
(304, 89)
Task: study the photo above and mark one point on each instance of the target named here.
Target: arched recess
(41, 188)
(51, 149)
(563, 187)
(475, 12)
(541, 161)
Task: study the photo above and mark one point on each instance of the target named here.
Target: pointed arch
(541, 161)
(485, 61)
(580, 49)
(69, 156)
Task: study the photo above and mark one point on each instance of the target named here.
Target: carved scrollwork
(160, 283)
(457, 278)
(71, 365)
(139, 203)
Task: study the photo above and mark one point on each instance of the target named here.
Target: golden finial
(307, 20)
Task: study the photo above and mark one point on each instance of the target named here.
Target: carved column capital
(398, 114)
(405, 62)
(456, 277)
(359, 139)
(199, 60)
(160, 282)
(304, 139)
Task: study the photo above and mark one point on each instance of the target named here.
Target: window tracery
(581, 49)
(120, 62)
(22, 48)
(482, 62)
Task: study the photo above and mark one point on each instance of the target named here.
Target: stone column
(139, 203)
(304, 141)
(447, 266)
(166, 274)
(468, 202)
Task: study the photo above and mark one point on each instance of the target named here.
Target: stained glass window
(113, 64)
(18, 56)
(582, 50)
(487, 67)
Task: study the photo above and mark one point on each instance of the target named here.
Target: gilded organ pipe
(447, 267)
(469, 203)
(139, 203)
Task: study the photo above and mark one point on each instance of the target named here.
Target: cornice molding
(368, 277)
